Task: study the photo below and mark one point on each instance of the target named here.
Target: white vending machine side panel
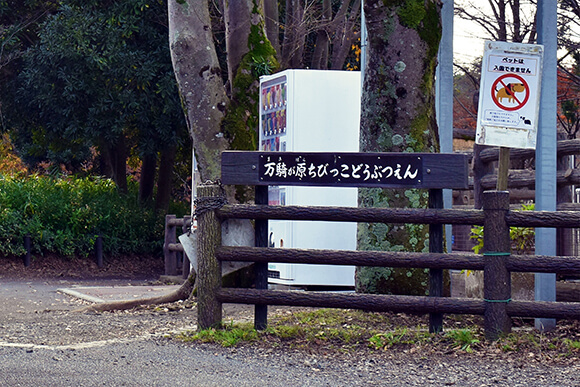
(311, 111)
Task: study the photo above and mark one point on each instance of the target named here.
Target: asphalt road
(44, 343)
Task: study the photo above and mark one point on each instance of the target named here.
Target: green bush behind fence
(65, 216)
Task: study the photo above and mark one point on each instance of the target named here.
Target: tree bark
(271, 16)
(164, 180)
(237, 14)
(147, 179)
(398, 115)
(198, 76)
(182, 293)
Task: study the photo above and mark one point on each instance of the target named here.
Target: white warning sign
(509, 95)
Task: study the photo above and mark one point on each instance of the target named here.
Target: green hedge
(64, 216)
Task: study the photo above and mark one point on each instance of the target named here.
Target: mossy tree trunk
(398, 115)
(221, 114)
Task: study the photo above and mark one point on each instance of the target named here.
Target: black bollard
(99, 251)
(27, 247)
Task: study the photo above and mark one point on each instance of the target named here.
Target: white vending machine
(311, 111)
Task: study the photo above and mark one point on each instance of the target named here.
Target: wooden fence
(173, 252)
(497, 307)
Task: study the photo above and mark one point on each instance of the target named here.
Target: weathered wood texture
(370, 302)
(544, 309)
(390, 303)
(170, 239)
(565, 148)
(436, 246)
(348, 214)
(544, 264)
(497, 279)
(261, 268)
(543, 218)
(209, 311)
(523, 178)
(457, 261)
(439, 170)
(356, 258)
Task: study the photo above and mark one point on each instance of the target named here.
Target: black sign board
(388, 170)
(336, 169)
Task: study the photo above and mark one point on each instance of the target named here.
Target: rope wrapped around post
(209, 308)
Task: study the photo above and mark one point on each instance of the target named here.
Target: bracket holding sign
(509, 95)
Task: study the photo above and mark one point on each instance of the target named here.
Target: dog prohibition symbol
(509, 92)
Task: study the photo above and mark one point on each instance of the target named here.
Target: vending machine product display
(311, 111)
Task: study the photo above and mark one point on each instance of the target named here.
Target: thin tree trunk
(164, 180)
(271, 17)
(147, 179)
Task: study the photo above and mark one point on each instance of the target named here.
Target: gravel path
(43, 342)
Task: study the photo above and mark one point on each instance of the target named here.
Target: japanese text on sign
(344, 168)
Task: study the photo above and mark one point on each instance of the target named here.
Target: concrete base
(522, 285)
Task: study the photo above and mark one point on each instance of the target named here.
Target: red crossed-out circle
(500, 82)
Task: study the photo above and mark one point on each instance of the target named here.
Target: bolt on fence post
(28, 248)
(261, 268)
(497, 280)
(209, 276)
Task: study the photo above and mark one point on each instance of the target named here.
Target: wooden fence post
(435, 246)
(261, 268)
(209, 237)
(497, 280)
(170, 255)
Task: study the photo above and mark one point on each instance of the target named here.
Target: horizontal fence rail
(369, 302)
(497, 263)
(390, 303)
(353, 214)
(455, 261)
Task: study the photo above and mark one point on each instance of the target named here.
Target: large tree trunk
(198, 76)
(398, 115)
(214, 123)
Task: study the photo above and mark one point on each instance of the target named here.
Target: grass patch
(356, 331)
(228, 336)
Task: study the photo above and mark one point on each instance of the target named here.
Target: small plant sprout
(463, 339)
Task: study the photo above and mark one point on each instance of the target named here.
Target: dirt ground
(34, 313)
(54, 267)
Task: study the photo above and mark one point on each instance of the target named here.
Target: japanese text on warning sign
(509, 95)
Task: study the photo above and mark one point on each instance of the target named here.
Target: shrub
(65, 216)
